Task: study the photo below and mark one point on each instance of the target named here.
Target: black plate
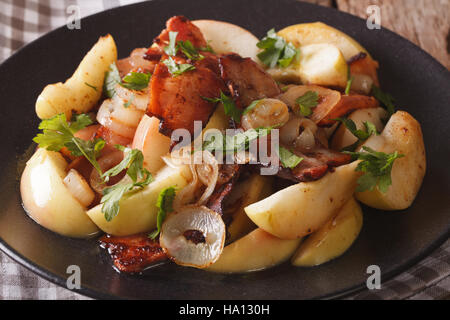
(393, 241)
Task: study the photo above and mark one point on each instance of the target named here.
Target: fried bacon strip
(177, 100)
(314, 165)
(324, 113)
(228, 175)
(134, 253)
(186, 31)
(363, 64)
(246, 80)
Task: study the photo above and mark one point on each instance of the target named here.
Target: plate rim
(97, 294)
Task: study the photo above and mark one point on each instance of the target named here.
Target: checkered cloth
(22, 21)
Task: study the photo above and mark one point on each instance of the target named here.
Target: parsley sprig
(307, 101)
(176, 69)
(229, 106)
(385, 98)
(112, 78)
(229, 144)
(361, 134)
(58, 133)
(164, 205)
(377, 167)
(132, 81)
(136, 80)
(276, 51)
(140, 177)
(288, 159)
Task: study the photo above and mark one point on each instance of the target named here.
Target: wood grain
(424, 22)
(326, 3)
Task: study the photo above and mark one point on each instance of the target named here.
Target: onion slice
(193, 237)
(79, 188)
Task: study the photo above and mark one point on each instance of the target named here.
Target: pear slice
(318, 32)
(138, 211)
(226, 37)
(404, 135)
(83, 89)
(256, 251)
(320, 64)
(332, 239)
(303, 208)
(343, 137)
(47, 199)
(253, 189)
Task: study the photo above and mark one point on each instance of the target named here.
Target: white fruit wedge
(343, 137)
(138, 211)
(332, 239)
(226, 37)
(404, 135)
(83, 89)
(303, 208)
(151, 142)
(318, 32)
(258, 250)
(47, 199)
(253, 189)
(320, 64)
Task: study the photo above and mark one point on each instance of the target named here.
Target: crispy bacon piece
(246, 80)
(210, 61)
(324, 113)
(314, 165)
(363, 64)
(177, 100)
(186, 31)
(133, 253)
(228, 175)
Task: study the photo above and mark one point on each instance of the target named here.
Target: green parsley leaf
(141, 177)
(208, 48)
(288, 159)
(129, 102)
(307, 101)
(177, 69)
(171, 49)
(276, 51)
(238, 142)
(91, 86)
(136, 81)
(133, 162)
(112, 78)
(385, 98)
(228, 105)
(251, 107)
(362, 135)
(189, 50)
(349, 82)
(164, 205)
(377, 167)
(58, 133)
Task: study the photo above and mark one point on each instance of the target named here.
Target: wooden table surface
(424, 22)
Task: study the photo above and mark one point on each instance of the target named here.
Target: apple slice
(343, 137)
(256, 251)
(303, 208)
(364, 69)
(226, 37)
(253, 189)
(138, 211)
(320, 64)
(318, 32)
(332, 239)
(404, 135)
(47, 199)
